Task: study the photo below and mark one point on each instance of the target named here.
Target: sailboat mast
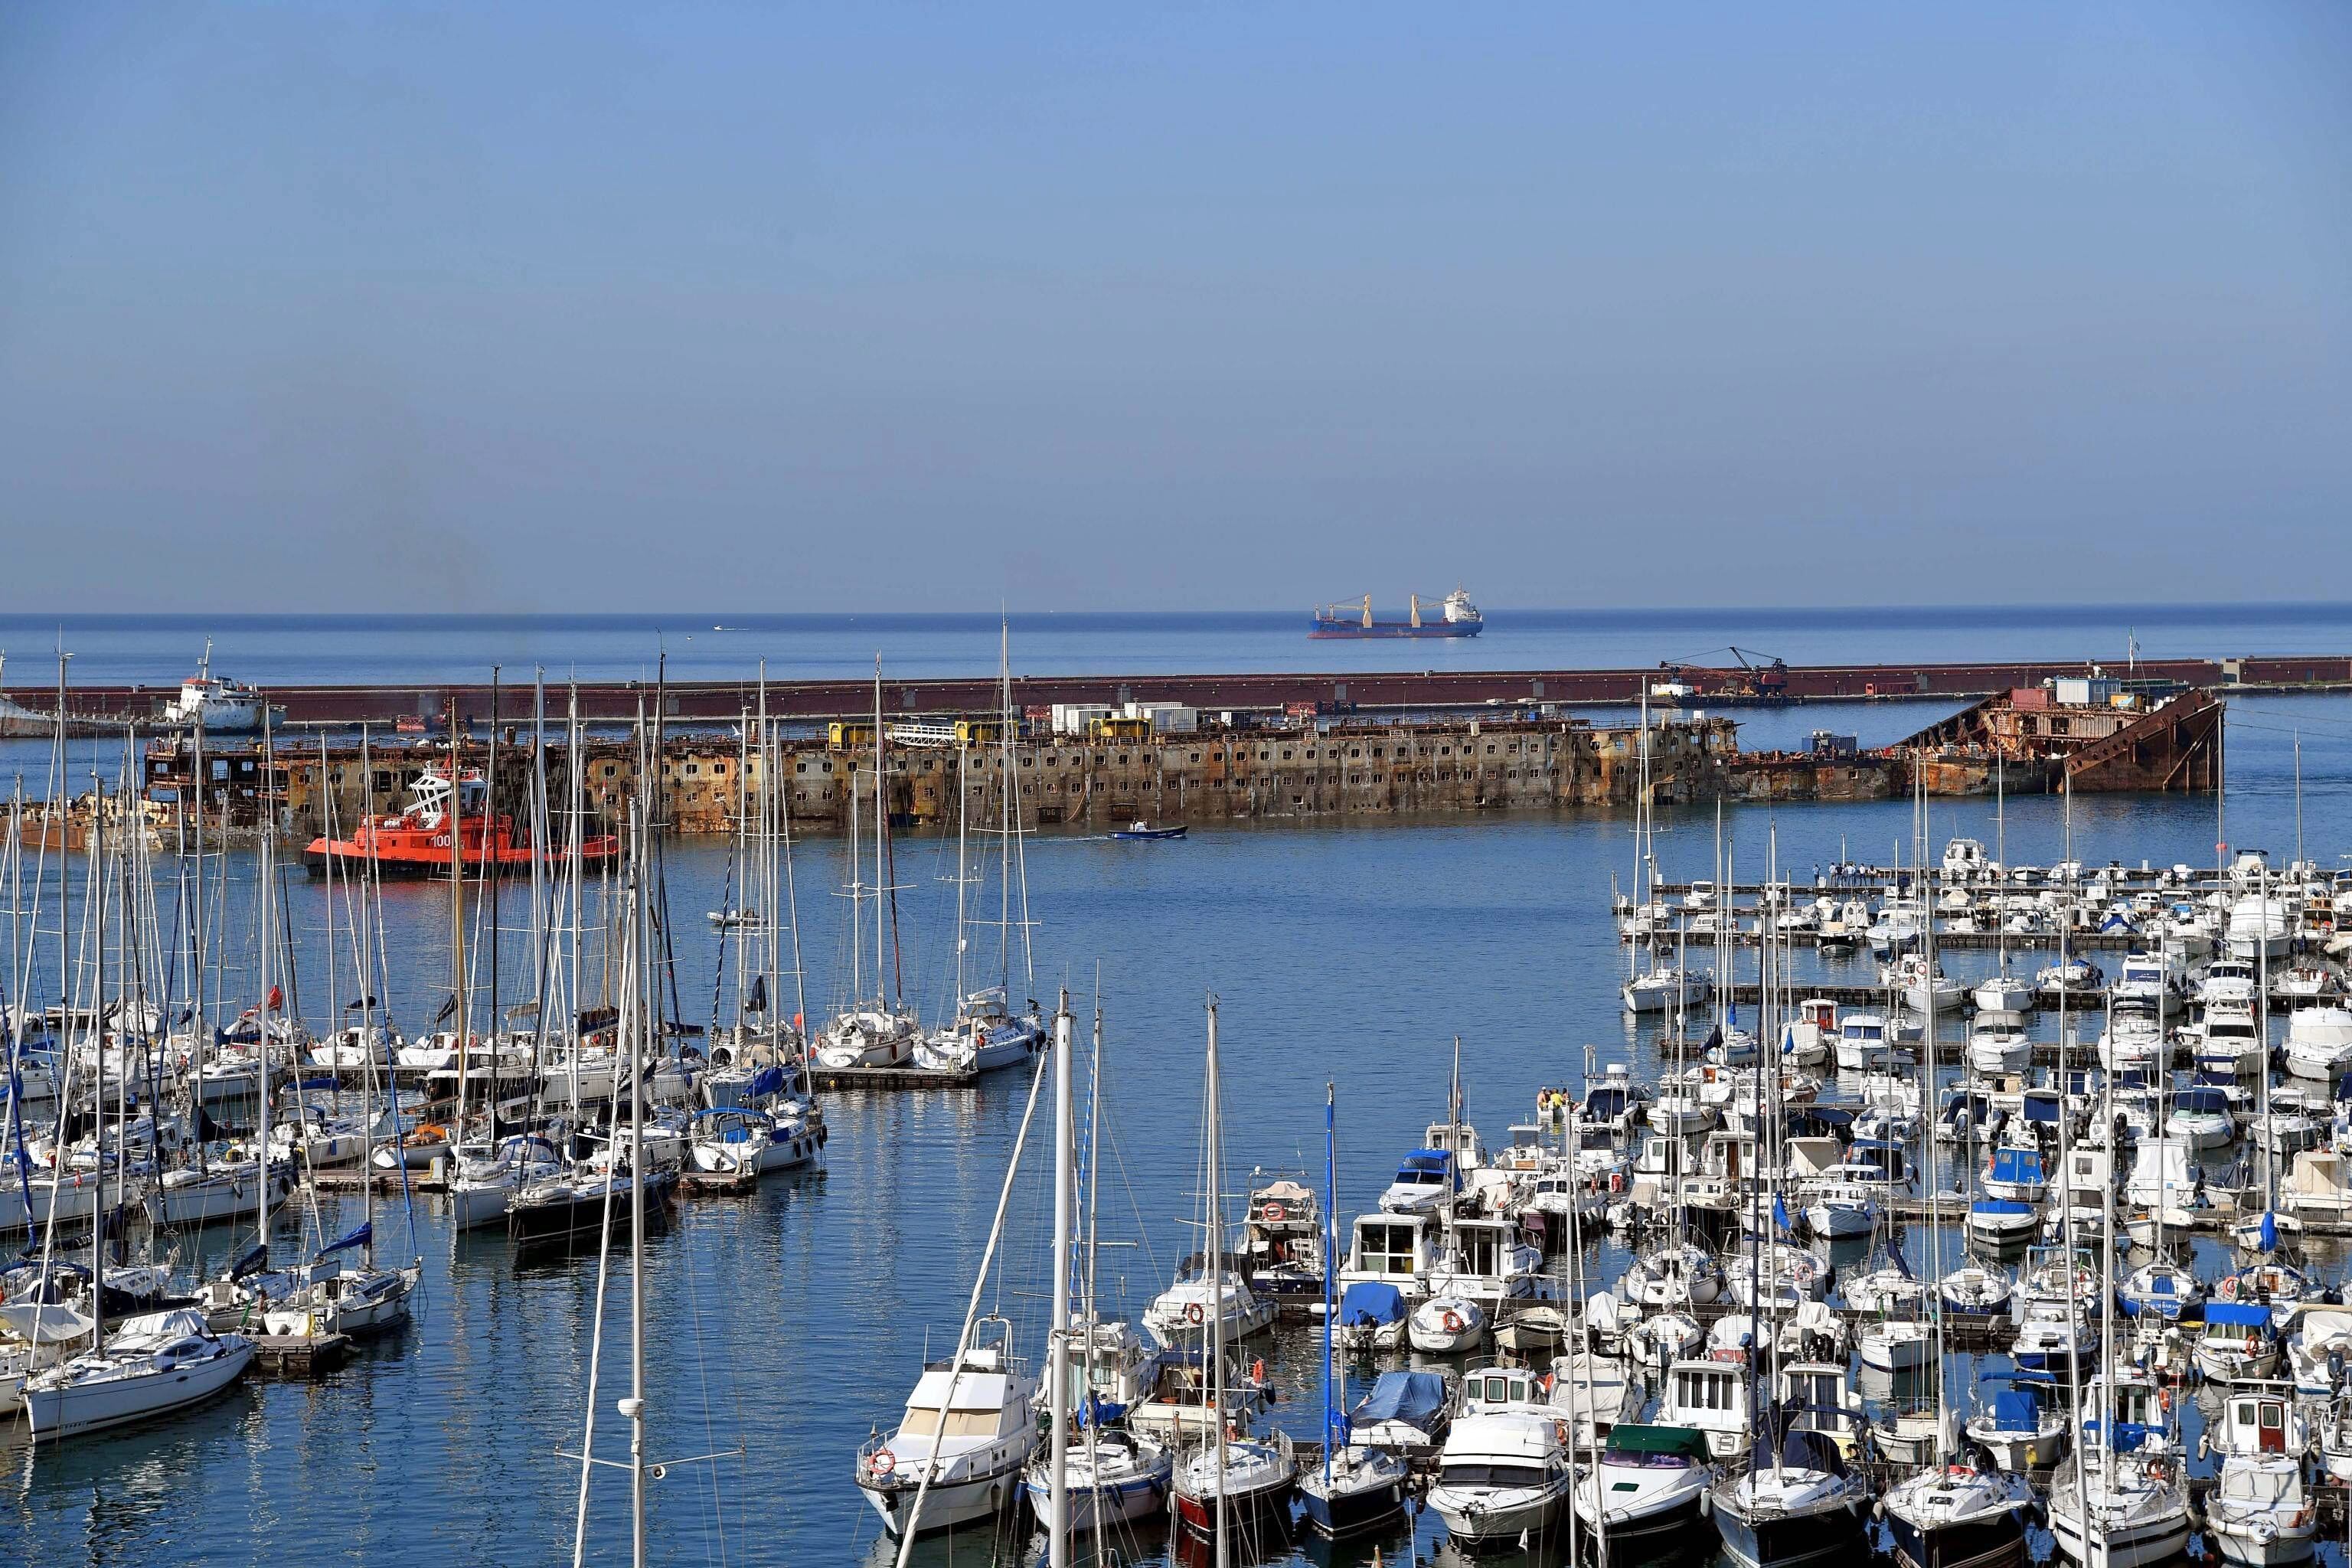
(1057, 1514)
(881, 827)
(266, 926)
(1216, 1275)
(1330, 1247)
(452, 813)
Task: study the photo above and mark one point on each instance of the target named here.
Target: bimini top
(1638, 1438)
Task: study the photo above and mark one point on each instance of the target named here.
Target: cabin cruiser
(968, 1427)
(1281, 1252)
(1923, 986)
(1393, 1250)
(1649, 1481)
(2228, 982)
(1864, 1043)
(745, 1143)
(1711, 1396)
(1181, 1310)
(2258, 1511)
(1426, 1181)
(2149, 980)
(2239, 1342)
(2319, 1043)
(1998, 1042)
(1505, 1470)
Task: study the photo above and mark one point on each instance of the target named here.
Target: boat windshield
(1479, 1473)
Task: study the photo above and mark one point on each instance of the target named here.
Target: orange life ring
(1192, 1313)
(884, 1462)
(1451, 1320)
(1560, 1431)
(1275, 1214)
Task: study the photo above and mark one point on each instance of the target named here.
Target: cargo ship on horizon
(1458, 617)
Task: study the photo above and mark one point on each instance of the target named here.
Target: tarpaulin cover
(1412, 1397)
(1370, 1302)
(2016, 1410)
(2243, 1313)
(2016, 1165)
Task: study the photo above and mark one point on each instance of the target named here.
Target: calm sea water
(784, 1326)
(719, 645)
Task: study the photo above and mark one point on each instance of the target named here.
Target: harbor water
(784, 1325)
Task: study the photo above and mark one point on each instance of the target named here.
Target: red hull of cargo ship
(400, 846)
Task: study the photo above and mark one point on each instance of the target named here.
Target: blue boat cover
(2040, 1105)
(1369, 1301)
(1412, 1397)
(2129, 1435)
(2016, 1410)
(2244, 1313)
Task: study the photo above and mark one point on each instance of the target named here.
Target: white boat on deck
(1182, 1311)
(969, 1429)
(152, 1365)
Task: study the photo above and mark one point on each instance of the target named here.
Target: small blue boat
(1145, 830)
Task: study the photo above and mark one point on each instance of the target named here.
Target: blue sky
(537, 306)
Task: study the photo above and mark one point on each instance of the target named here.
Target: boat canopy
(2244, 1315)
(1634, 1437)
(2210, 1102)
(1411, 1397)
(2041, 1105)
(1369, 1301)
(2016, 1410)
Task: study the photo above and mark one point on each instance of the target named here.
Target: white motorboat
(969, 1429)
(2258, 1511)
(1505, 1469)
(1181, 1311)
(2319, 1043)
(1649, 1482)
(152, 1365)
(1447, 1325)
(1998, 1042)
(1713, 1396)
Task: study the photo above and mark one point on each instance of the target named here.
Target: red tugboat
(416, 842)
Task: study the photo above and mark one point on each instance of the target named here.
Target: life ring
(1275, 1214)
(1451, 1320)
(884, 1462)
(1560, 1431)
(1192, 1313)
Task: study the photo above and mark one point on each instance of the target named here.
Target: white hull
(118, 1401)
